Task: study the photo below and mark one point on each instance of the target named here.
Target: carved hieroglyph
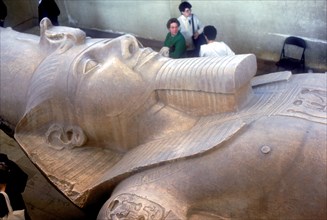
(195, 138)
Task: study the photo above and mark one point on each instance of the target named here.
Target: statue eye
(89, 66)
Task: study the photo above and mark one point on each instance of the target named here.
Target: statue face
(107, 83)
(112, 76)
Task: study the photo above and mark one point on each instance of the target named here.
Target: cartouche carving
(130, 206)
(308, 103)
(311, 101)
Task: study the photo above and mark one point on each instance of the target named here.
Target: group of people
(187, 37)
(46, 8)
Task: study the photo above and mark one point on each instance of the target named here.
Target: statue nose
(129, 46)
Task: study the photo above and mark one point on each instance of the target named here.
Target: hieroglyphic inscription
(131, 206)
(308, 103)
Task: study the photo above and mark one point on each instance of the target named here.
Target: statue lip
(146, 55)
(53, 36)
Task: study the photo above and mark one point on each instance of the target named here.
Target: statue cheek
(112, 90)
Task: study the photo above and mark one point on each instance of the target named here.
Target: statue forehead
(55, 70)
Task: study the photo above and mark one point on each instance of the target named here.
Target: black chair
(289, 59)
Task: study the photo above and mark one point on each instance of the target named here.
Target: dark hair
(210, 32)
(182, 6)
(172, 20)
(4, 173)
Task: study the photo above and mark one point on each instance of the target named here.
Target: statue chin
(197, 138)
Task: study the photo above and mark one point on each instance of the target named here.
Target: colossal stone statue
(157, 138)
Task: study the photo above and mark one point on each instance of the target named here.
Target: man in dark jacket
(49, 9)
(15, 183)
(3, 183)
(3, 13)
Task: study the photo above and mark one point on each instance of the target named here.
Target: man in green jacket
(175, 40)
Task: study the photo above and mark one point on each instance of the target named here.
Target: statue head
(103, 99)
(97, 92)
(93, 87)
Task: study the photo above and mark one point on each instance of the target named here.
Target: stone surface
(175, 139)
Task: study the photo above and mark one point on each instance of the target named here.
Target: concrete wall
(258, 26)
(21, 13)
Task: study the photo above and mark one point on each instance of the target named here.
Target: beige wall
(258, 26)
(21, 13)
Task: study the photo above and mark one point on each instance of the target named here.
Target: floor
(42, 199)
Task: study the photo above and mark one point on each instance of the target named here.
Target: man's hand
(196, 35)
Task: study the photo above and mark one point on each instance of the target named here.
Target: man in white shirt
(186, 27)
(213, 48)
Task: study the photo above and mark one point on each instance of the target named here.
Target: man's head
(185, 9)
(3, 157)
(173, 25)
(210, 32)
(4, 173)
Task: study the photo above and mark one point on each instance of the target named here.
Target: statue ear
(60, 150)
(59, 37)
(39, 128)
(59, 136)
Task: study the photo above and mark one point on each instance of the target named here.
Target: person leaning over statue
(3, 13)
(213, 48)
(191, 28)
(175, 40)
(49, 9)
